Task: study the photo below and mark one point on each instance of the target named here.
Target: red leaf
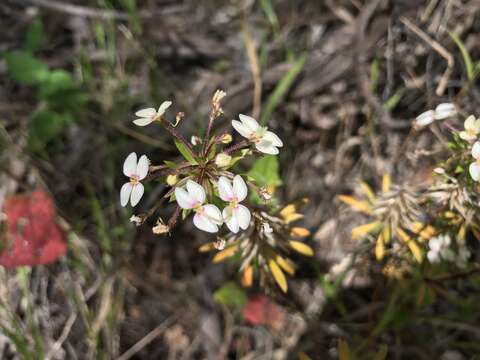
(33, 237)
(261, 311)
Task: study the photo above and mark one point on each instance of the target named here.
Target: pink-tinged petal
(243, 216)
(266, 147)
(474, 170)
(164, 106)
(196, 191)
(225, 190)
(230, 220)
(202, 222)
(240, 189)
(249, 122)
(125, 192)
(242, 129)
(213, 214)
(142, 167)
(425, 118)
(476, 150)
(137, 193)
(273, 138)
(184, 200)
(143, 121)
(144, 113)
(130, 165)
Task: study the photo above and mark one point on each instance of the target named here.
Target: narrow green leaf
(185, 152)
(469, 67)
(281, 89)
(35, 36)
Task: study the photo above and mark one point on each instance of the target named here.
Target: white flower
(137, 220)
(442, 111)
(265, 141)
(472, 128)
(474, 167)
(133, 190)
(440, 249)
(236, 215)
(207, 217)
(149, 115)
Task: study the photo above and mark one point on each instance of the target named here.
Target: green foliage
(265, 171)
(25, 69)
(35, 36)
(472, 68)
(185, 152)
(230, 294)
(59, 92)
(281, 89)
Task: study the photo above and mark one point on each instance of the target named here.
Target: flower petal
(474, 170)
(164, 106)
(240, 189)
(125, 192)
(249, 122)
(213, 213)
(273, 138)
(242, 129)
(142, 167)
(196, 191)
(476, 150)
(225, 190)
(266, 147)
(130, 165)
(143, 121)
(444, 110)
(202, 222)
(137, 193)
(425, 118)
(466, 136)
(146, 113)
(184, 200)
(469, 122)
(230, 219)
(243, 216)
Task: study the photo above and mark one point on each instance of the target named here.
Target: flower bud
(265, 195)
(226, 139)
(223, 160)
(160, 228)
(172, 179)
(137, 220)
(195, 140)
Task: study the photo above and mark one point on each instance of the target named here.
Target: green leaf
(466, 56)
(265, 171)
(35, 36)
(230, 294)
(185, 152)
(45, 126)
(60, 89)
(170, 164)
(24, 68)
(281, 89)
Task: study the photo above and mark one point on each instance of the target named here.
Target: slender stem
(179, 137)
(207, 133)
(173, 219)
(236, 147)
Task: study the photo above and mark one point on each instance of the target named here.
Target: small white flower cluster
(441, 112)
(207, 216)
(440, 249)
(192, 196)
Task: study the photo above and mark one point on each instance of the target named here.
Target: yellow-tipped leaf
(301, 248)
(278, 275)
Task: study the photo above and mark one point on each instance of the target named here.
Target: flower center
(198, 208)
(471, 132)
(134, 179)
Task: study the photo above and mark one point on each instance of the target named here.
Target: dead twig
(442, 84)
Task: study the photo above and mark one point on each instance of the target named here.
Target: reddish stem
(236, 147)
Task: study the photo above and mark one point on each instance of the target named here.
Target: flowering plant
(204, 184)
